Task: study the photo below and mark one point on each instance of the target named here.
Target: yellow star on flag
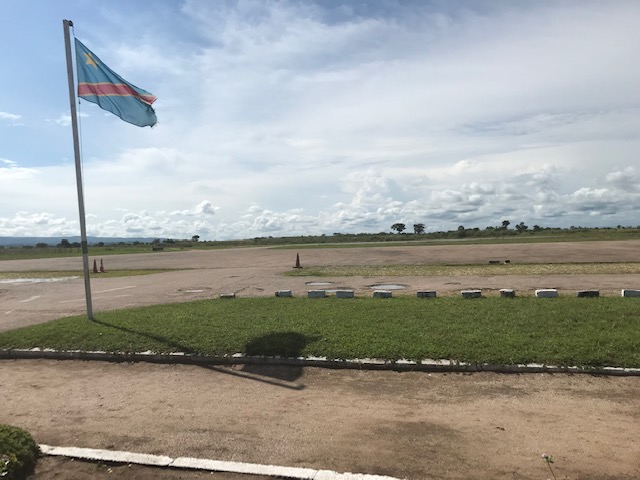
(90, 60)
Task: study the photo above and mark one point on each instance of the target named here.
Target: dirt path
(413, 425)
(253, 272)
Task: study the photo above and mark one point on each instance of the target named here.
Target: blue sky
(303, 117)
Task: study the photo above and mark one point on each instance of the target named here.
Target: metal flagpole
(76, 151)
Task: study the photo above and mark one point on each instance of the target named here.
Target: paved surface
(258, 272)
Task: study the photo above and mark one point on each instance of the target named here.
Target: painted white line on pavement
(116, 289)
(80, 300)
(205, 464)
(31, 299)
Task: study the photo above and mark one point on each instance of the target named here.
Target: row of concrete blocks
(548, 293)
(504, 292)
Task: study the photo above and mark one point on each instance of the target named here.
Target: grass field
(564, 331)
(465, 270)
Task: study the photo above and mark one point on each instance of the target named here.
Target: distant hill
(53, 241)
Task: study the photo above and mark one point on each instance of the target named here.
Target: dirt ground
(408, 425)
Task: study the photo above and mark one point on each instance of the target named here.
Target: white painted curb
(117, 456)
(402, 365)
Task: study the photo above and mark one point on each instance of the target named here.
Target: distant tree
(461, 232)
(195, 238)
(155, 241)
(399, 227)
(418, 228)
(64, 243)
(42, 245)
(521, 227)
(536, 228)
(505, 224)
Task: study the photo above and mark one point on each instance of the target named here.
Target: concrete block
(426, 294)
(345, 294)
(284, 293)
(507, 292)
(382, 294)
(630, 293)
(547, 293)
(316, 294)
(227, 295)
(471, 293)
(588, 293)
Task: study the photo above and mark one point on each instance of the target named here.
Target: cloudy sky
(301, 117)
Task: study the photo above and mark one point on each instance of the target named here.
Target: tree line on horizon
(419, 228)
(397, 230)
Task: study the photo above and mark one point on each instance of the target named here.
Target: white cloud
(10, 119)
(203, 208)
(9, 116)
(290, 117)
(64, 120)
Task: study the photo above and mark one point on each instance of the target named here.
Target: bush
(18, 453)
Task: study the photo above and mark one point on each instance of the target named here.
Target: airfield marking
(7, 313)
(102, 291)
(35, 297)
(93, 297)
(115, 289)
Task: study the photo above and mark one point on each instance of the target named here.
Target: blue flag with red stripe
(99, 84)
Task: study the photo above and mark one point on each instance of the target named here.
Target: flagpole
(76, 152)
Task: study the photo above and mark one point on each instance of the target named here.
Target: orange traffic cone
(297, 261)
(101, 267)
(95, 267)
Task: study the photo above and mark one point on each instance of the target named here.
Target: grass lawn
(465, 270)
(563, 331)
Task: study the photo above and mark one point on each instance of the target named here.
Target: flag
(99, 84)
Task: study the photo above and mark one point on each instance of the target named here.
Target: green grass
(16, 253)
(565, 331)
(465, 270)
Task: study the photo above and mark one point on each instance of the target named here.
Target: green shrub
(18, 453)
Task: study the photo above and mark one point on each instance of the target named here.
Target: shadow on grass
(164, 340)
(277, 344)
(285, 344)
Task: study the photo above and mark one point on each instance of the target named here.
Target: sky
(302, 117)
